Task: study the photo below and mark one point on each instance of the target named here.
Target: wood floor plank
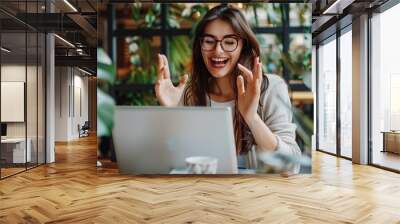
(73, 190)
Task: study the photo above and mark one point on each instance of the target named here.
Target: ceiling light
(5, 49)
(84, 71)
(70, 5)
(79, 51)
(65, 41)
(337, 7)
(331, 7)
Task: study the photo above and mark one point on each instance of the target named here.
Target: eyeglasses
(228, 44)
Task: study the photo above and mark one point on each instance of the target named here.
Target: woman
(226, 71)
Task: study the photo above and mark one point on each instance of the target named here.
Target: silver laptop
(157, 140)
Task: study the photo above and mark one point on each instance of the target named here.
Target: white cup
(201, 165)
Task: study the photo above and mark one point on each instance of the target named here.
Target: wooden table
(13, 150)
(391, 141)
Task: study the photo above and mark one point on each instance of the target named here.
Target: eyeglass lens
(227, 44)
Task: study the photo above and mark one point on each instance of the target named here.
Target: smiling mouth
(218, 62)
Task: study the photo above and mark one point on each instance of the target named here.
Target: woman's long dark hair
(198, 87)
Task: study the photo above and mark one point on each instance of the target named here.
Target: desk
(301, 97)
(391, 141)
(16, 147)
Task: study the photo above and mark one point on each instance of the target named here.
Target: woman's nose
(218, 48)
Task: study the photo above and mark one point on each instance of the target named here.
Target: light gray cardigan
(277, 115)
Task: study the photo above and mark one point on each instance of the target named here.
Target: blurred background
(132, 34)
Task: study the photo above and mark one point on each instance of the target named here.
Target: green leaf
(105, 112)
(105, 67)
(135, 60)
(133, 47)
(150, 18)
(102, 57)
(136, 15)
(102, 129)
(106, 72)
(172, 22)
(307, 80)
(156, 8)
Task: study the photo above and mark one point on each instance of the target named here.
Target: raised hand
(167, 94)
(249, 96)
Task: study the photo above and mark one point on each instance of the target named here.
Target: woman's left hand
(249, 96)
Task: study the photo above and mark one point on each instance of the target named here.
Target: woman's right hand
(167, 94)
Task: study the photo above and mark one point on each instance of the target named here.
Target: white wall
(81, 100)
(62, 81)
(71, 93)
(13, 73)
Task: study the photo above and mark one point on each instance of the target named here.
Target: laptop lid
(155, 140)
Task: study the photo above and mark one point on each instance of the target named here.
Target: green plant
(145, 14)
(272, 10)
(298, 60)
(271, 51)
(105, 103)
(180, 56)
(143, 50)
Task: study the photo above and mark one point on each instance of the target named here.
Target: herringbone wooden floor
(73, 191)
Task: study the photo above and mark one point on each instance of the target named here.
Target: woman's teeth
(219, 62)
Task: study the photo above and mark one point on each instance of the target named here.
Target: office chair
(84, 130)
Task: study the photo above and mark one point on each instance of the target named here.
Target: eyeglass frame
(237, 38)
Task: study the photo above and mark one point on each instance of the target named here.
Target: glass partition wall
(334, 117)
(346, 93)
(334, 96)
(327, 96)
(385, 90)
(22, 88)
(13, 109)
